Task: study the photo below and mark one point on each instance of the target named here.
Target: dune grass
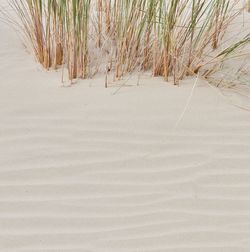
(170, 38)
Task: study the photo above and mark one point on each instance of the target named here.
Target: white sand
(84, 170)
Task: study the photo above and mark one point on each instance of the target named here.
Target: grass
(170, 38)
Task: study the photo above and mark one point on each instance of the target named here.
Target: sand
(148, 168)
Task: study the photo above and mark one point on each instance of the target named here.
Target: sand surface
(84, 170)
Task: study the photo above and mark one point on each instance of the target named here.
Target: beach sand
(148, 168)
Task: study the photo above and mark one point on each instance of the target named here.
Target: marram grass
(170, 38)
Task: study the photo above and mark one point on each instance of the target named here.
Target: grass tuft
(170, 38)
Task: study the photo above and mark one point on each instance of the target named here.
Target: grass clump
(170, 38)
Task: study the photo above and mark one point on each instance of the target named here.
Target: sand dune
(82, 169)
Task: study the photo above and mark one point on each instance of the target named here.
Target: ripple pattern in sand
(96, 180)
